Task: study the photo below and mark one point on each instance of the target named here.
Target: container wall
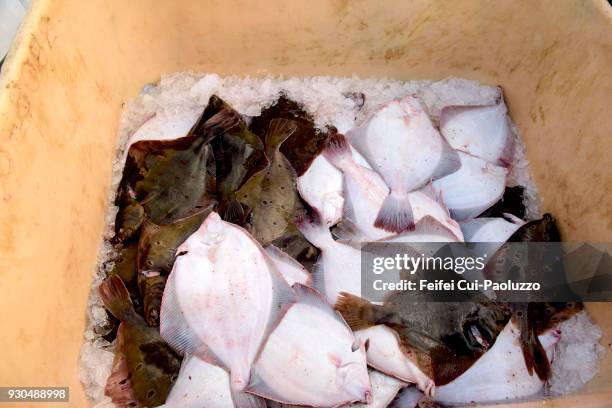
(78, 61)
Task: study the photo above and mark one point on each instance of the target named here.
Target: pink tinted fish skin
(483, 131)
(222, 298)
(325, 366)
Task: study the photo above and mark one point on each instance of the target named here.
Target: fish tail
(313, 229)
(395, 215)
(116, 298)
(357, 312)
(338, 151)
(220, 123)
(278, 131)
(533, 352)
(232, 211)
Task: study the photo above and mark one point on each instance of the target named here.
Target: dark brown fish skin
(271, 194)
(534, 318)
(152, 366)
(171, 179)
(239, 154)
(158, 243)
(438, 336)
(293, 243)
(128, 221)
(151, 286)
(305, 143)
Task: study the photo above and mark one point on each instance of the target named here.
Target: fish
(222, 298)
(170, 179)
(201, 384)
(534, 318)
(412, 155)
(289, 268)
(385, 354)
(384, 390)
(489, 234)
(365, 192)
(321, 186)
(323, 366)
(271, 194)
(500, 374)
(338, 268)
(475, 187)
(483, 131)
(443, 338)
(512, 202)
(305, 143)
(239, 154)
(143, 359)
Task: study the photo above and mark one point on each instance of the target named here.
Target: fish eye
(139, 367)
(173, 378)
(132, 404)
(122, 382)
(151, 394)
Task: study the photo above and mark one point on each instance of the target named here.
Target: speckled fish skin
(365, 192)
(305, 143)
(533, 318)
(149, 364)
(446, 338)
(156, 252)
(239, 153)
(222, 298)
(483, 131)
(338, 268)
(321, 186)
(384, 390)
(500, 374)
(200, 384)
(323, 366)
(271, 194)
(171, 179)
(385, 355)
(475, 187)
(158, 243)
(289, 268)
(387, 140)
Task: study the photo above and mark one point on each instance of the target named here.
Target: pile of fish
(237, 279)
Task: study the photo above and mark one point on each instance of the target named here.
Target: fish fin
(233, 211)
(535, 355)
(347, 230)
(313, 229)
(449, 162)
(395, 215)
(118, 385)
(318, 275)
(244, 400)
(175, 330)
(279, 130)
(338, 151)
(357, 312)
(116, 298)
(212, 126)
(310, 296)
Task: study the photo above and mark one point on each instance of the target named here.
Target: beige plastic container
(76, 62)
